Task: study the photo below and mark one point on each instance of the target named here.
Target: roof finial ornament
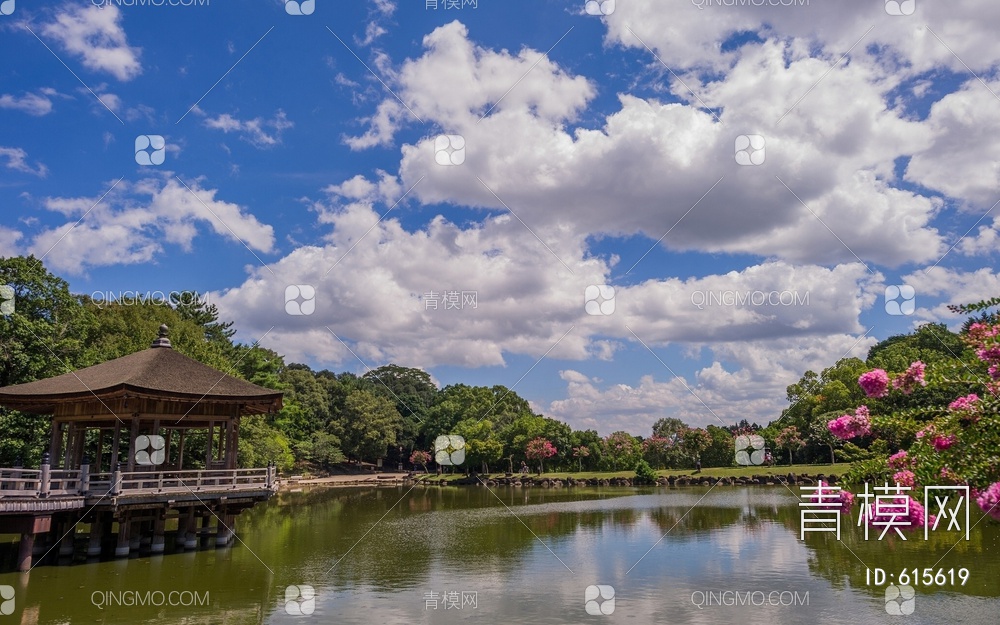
(162, 341)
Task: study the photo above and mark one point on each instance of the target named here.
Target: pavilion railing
(48, 482)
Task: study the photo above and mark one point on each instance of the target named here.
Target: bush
(644, 473)
(873, 471)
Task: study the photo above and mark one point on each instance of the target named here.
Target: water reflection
(378, 554)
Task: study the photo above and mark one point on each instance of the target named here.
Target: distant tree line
(393, 412)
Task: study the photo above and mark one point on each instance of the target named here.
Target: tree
(370, 424)
(789, 439)
(720, 452)
(655, 449)
(322, 448)
(412, 391)
(820, 434)
(592, 442)
(539, 449)
(260, 444)
(669, 428)
(420, 457)
(580, 453)
(695, 441)
(621, 448)
(481, 443)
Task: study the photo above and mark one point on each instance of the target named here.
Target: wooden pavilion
(136, 442)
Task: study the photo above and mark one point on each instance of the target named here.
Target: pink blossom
(927, 430)
(981, 332)
(905, 478)
(850, 426)
(989, 354)
(874, 383)
(989, 500)
(913, 520)
(964, 404)
(843, 501)
(941, 443)
(911, 378)
(899, 460)
(950, 477)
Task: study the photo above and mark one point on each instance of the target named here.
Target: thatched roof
(158, 373)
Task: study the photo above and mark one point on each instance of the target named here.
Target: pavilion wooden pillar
(166, 446)
(211, 438)
(232, 427)
(180, 451)
(55, 446)
(115, 445)
(68, 448)
(76, 454)
(133, 434)
(98, 462)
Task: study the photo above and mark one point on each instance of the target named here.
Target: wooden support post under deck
(224, 535)
(96, 536)
(24, 548)
(68, 533)
(135, 535)
(204, 534)
(122, 548)
(158, 541)
(190, 527)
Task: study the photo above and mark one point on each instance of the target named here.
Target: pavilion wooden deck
(125, 511)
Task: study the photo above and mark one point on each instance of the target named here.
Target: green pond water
(517, 556)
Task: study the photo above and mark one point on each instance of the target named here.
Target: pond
(511, 555)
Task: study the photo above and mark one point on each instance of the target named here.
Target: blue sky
(598, 150)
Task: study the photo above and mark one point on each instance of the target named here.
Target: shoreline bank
(535, 481)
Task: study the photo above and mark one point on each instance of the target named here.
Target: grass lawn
(811, 469)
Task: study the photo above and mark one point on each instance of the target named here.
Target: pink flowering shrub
(875, 383)
(899, 460)
(925, 431)
(913, 520)
(851, 426)
(843, 501)
(964, 404)
(942, 443)
(948, 443)
(989, 500)
(905, 478)
(911, 378)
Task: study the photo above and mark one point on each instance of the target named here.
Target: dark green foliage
(644, 473)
